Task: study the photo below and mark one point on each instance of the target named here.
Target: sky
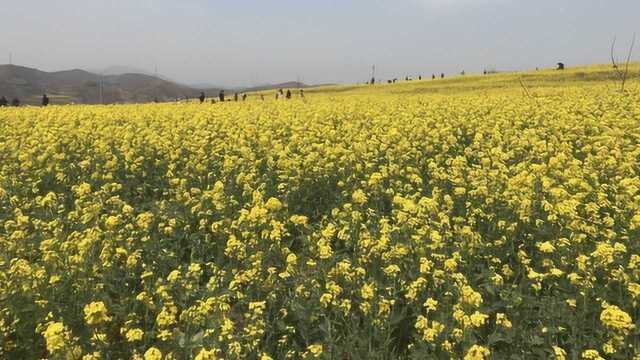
(251, 42)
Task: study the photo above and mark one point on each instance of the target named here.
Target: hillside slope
(79, 86)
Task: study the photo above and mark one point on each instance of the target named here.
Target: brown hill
(79, 86)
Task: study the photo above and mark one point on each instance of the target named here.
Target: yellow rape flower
(477, 352)
(153, 353)
(95, 313)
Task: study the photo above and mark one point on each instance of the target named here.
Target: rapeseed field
(367, 225)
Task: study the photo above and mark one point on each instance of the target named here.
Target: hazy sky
(256, 41)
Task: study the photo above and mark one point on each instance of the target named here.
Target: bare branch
(613, 56)
(626, 66)
(526, 90)
(616, 68)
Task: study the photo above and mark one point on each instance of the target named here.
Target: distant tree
(3, 101)
(15, 102)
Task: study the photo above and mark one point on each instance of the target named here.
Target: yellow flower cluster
(95, 313)
(362, 226)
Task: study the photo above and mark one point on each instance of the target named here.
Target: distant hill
(80, 86)
(120, 70)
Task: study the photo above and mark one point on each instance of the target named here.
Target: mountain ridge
(85, 87)
(81, 86)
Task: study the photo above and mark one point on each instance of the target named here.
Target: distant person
(281, 92)
(202, 97)
(244, 96)
(373, 81)
(262, 97)
(560, 66)
(484, 72)
(288, 96)
(221, 96)
(45, 100)
(441, 75)
(277, 95)
(235, 96)
(419, 77)
(3, 101)
(15, 102)
(433, 76)
(302, 93)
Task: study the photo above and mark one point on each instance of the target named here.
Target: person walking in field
(45, 100)
(221, 96)
(244, 96)
(302, 93)
(235, 96)
(3, 101)
(433, 76)
(442, 76)
(202, 97)
(288, 94)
